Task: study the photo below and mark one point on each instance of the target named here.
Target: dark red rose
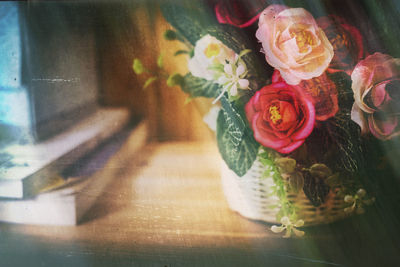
(239, 13)
(324, 94)
(281, 116)
(322, 91)
(347, 43)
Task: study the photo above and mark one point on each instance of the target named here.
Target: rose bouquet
(300, 102)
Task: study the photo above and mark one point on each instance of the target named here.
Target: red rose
(323, 93)
(281, 116)
(239, 13)
(347, 43)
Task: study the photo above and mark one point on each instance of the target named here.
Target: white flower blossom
(357, 202)
(214, 61)
(289, 227)
(233, 78)
(208, 52)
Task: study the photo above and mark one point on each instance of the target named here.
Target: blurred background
(62, 59)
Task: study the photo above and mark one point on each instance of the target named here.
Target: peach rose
(376, 87)
(293, 43)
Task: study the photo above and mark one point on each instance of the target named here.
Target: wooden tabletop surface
(166, 208)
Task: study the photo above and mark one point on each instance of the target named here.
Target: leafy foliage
(171, 35)
(273, 169)
(239, 154)
(174, 79)
(345, 134)
(296, 182)
(235, 123)
(315, 189)
(190, 18)
(238, 41)
(197, 87)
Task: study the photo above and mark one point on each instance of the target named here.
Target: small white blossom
(233, 78)
(357, 202)
(289, 227)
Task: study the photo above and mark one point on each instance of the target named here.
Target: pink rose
(322, 92)
(293, 43)
(347, 43)
(239, 13)
(376, 87)
(281, 116)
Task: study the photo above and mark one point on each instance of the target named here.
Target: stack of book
(56, 181)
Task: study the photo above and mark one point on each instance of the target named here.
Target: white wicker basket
(250, 196)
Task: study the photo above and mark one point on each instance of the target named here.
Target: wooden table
(166, 208)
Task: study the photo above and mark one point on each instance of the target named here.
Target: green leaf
(315, 189)
(244, 52)
(137, 66)
(334, 180)
(197, 87)
(189, 18)
(320, 170)
(160, 61)
(345, 134)
(174, 79)
(172, 35)
(286, 165)
(181, 52)
(149, 81)
(216, 67)
(296, 182)
(239, 155)
(236, 124)
(266, 162)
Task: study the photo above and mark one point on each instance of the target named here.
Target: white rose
(209, 51)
